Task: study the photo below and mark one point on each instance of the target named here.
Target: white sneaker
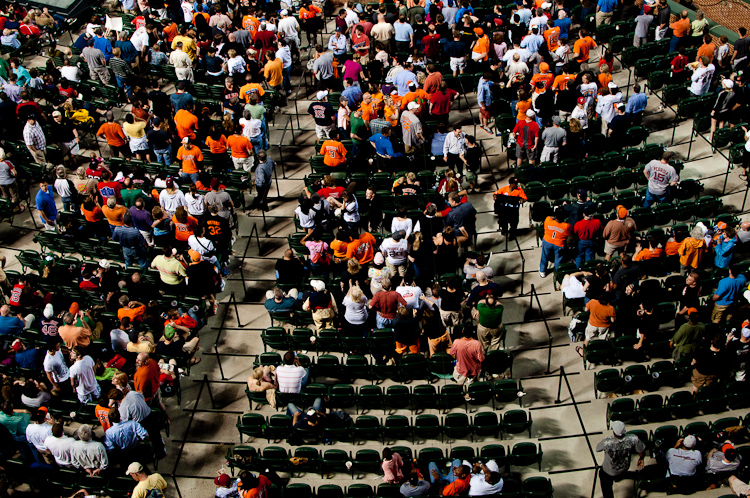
(542, 274)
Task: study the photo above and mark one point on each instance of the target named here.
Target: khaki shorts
(610, 249)
(596, 332)
(739, 487)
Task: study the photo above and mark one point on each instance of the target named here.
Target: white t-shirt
(405, 225)
(36, 434)
(290, 378)
(478, 486)
(356, 313)
(701, 79)
(395, 252)
(581, 115)
(60, 448)
(411, 295)
(71, 73)
(119, 339)
(289, 27)
(351, 212)
(196, 205)
(187, 11)
(202, 246)
(82, 372)
(57, 367)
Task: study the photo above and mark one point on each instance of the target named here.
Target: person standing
(617, 233)
(587, 230)
(45, 204)
(146, 482)
(661, 176)
(82, 376)
(132, 241)
(273, 71)
(263, 179)
(469, 356)
(484, 100)
(490, 330)
(526, 135)
(8, 185)
(36, 142)
(556, 233)
(727, 294)
(507, 210)
(617, 450)
(553, 138)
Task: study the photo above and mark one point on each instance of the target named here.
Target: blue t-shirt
(607, 6)
(455, 49)
(404, 31)
(729, 289)
(11, 325)
(383, 145)
(46, 203)
(353, 94)
(402, 79)
(564, 25)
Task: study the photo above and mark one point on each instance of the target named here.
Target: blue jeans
(652, 198)
(257, 141)
(674, 42)
(382, 323)
(131, 254)
(192, 314)
(549, 252)
(192, 177)
(164, 156)
(444, 479)
(286, 73)
(291, 408)
(585, 252)
(122, 84)
(67, 203)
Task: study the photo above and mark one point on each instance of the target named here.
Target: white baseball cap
(412, 105)
(530, 113)
(321, 94)
(284, 12)
(689, 442)
(618, 428)
(104, 263)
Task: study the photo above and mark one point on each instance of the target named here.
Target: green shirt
(256, 111)
(490, 317)
(4, 68)
(129, 195)
(358, 128)
(686, 338)
(16, 423)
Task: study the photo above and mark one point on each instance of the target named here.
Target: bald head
(141, 359)
(381, 18)
(4, 310)
(481, 277)
(745, 225)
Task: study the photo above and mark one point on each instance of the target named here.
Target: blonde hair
(353, 266)
(120, 379)
(356, 294)
(257, 374)
(232, 53)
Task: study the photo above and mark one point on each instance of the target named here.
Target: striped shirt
(119, 67)
(290, 378)
(34, 136)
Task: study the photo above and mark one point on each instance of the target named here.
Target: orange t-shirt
(183, 231)
(132, 313)
(457, 487)
(190, 159)
(113, 133)
(251, 24)
(368, 112)
(217, 146)
(648, 254)
(707, 50)
(377, 100)
(671, 247)
(583, 46)
(362, 248)
(600, 315)
(561, 82)
(114, 216)
(333, 152)
(205, 16)
(246, 91)
(555, 232)
(547, 78)
(94, 215)
(680, 28)
(102, 413)
(387, 113)
(339, 248)
(170, 31)
(604, 79)
(186, 124)
(272, 71)
(309, 13)
(518, 192)
(414, 97)
(482, 46)
(552, 36)
(240, 146)
(522, 106)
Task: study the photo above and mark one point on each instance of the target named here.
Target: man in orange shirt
(242, 150)
(480, 50)
(250, 88)
(146, 377)
(708, 49)
(116, 141)
(560, 82)
(508, 202)
(582, 48)
(186, 122)
(556, 233)
(191, 156)
(362, 248)
(273, 72)
(415, 95)
(333, 151)
(309, 21)
(131, 309)
(552, 36)
(680, 29)
(114, 213)
(250, 22)
(543, 75)
(455, 483)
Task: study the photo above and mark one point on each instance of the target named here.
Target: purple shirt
(141, 219)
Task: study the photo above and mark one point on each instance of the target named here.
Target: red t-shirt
(587, 229)
(441, 102)
(679, 63)
(335, 192)
(526, 132)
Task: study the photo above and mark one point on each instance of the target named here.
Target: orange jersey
(583, 47)
(333, 152)
(377, 100)
(368, 111)
(547, 78)
(604, 79)
(190, 159)
(183, 231)
(518, 192)
(217, 146)
(419, 96)
(552, 37)
(556, 232)
(482, 46)
(251, 24)
(561, 82)
(309, 13)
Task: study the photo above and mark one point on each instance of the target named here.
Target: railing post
(559, 385)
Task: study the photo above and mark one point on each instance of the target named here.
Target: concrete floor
(556, 428)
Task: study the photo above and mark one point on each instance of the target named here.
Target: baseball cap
(418, 18)
(479, 31)
(48, 311)
(728, 83)
(530, 113)
(181, 85)
(321, 94)
(581, 100)
(412, 105)
(721, 225)
(56, 113)
(589, 209)
(513, 180)
(582, 192)
(620, 107)
(544, 67)
(690, 311)
(546, 5)
(16, 346)
(398, 235)
(556, 120)
(157, 121)
(411, 84)
(134, 468)
(378, 259)
(618, 428)
(170, 183)
(339, 29)
(612, 85)
(223, 479)
(74, 308)
(194, 255)
(689, 442)
(746, 333)
(186, 140)
(168, 329)
(647, 9)
(622, 212)
(104, 263)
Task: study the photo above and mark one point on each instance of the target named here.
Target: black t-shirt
(289, 272)
(430, 226)
(160, 102)
(451, 301)
(322, 112)
(473, 156)
(690, 297)
(407, 189)
(173, 349)
(624, 277)
(62, 132)
(218, 231)
(739, 352)
(742, 47)
(406, 330)
(158, 139)
(664, 15)
(708, 362)
(200, 278)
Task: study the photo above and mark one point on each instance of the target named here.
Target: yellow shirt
(272, 72)
(188, 45)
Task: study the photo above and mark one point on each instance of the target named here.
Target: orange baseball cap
(721, 225)
(621, 212)
(74, 308)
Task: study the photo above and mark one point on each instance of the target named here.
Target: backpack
(154, 493)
